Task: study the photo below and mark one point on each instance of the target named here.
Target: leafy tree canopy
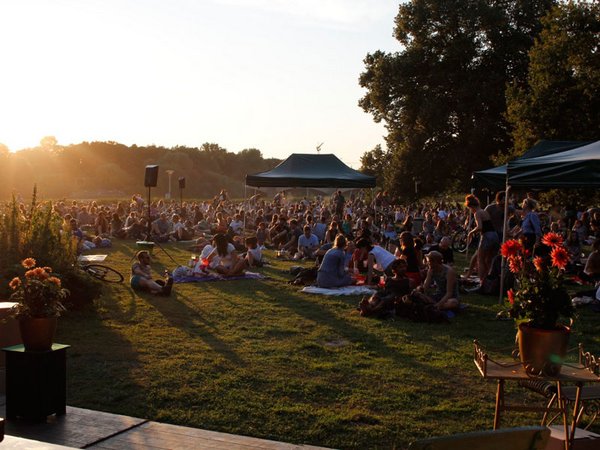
(442, 97)
(561, 96)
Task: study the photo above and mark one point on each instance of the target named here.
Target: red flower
(515, 264)
(511, 296)
(538, 262)
(28, 263)
(511, 248)
(560, 257)
(552, 240)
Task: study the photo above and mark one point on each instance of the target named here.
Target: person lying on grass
(224, 259)
(141, 277)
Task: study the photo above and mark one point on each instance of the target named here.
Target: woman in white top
(375, 255)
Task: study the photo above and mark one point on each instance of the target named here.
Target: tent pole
(504, 234)
(245, 200)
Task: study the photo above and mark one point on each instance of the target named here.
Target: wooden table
(510, 370)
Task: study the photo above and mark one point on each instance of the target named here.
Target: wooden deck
(84, 428)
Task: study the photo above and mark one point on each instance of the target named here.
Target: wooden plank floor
(84, 428)
(161, 436)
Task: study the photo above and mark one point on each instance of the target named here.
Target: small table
(36, 382)
(578, 374)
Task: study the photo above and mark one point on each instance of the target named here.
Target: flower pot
(542, 351)
(37, 333)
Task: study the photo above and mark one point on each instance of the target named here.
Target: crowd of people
(350, 239)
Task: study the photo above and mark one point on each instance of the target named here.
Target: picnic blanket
(346, 290)
(217, 277)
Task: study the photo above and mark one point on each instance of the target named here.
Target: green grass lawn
(259, 358)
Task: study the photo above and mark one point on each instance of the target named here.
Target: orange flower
(515, 264)
(538, 262)
(15, 283)
(552, 240)
(40, 273)
(511, 296)
(54, 280)
(29, 274)
(560, 257)
(28, 263)
(511, 248)
(48, 269)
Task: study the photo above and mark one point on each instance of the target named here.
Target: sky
(277, 75)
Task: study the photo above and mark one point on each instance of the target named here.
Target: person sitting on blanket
(332, 271)
(141, 277)
(252, 257)
(441, 284)
(223, 259)
(375, 255)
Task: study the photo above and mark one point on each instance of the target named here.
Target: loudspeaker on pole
(151, 176)
(181, 182)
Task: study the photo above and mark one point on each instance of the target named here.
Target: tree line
(476, 83)
(111, 169)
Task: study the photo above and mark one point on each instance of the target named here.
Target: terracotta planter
(38, 333)
(542, 351)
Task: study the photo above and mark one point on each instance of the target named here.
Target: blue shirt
(531, 224)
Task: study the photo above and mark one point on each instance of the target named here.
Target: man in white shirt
(308, 243)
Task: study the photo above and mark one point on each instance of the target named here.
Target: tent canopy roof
(308, 170)
(579, 167)
(495, 178)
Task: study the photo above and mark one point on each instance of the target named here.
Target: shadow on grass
(322, 314)
(190, 320)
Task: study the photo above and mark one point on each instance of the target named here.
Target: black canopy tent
(306, 170)
(576, 168)
(495, 177)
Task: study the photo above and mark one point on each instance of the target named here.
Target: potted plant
(538, 302)
(38, 296)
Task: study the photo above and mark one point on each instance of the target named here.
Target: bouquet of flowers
(38, 293)
(539, 297)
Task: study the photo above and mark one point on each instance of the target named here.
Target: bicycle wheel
(104, 273)
(459, 241)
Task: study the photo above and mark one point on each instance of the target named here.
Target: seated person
(399, 284)
(332, 271)
(591, 271)
(293, 235)
(161, 229)
(441, 284)
(183, 231)
(237, 225)
(408, 251)
(445, 249)
(308, 243)
(141, 277)
(262, 234)
(374, 254)
(252, 257)
(223, 259)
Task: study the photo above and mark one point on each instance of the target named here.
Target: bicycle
(101, 272)
(459, 240)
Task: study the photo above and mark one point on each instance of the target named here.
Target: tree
(374, 163)
(442, 97)
(561, 97)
